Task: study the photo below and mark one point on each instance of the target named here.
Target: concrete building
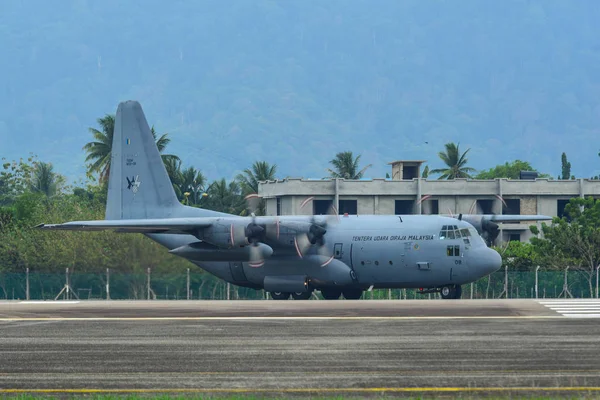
(401, 194)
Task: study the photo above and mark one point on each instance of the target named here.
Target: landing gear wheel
(447, 292)
(302, 295)
(352, 294)
(280, 295)
(457, 291)
(331, 294)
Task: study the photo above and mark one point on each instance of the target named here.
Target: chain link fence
(194, 286)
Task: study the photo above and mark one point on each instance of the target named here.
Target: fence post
(107, 283)
(67, 283)
(597, 272)
(27, 284)
(536, 281)
(471, 290)
(188, 283)
(148, 275)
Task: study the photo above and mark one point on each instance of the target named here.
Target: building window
(512, 207)
(514, 237)
(430, 207)
(484, 206)
(403, 207)
(321, 207)
(560, 208)
(278, 205)
(349, 207)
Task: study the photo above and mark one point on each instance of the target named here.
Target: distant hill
(293, 82)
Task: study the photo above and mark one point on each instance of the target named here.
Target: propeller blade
(256, 259)
(325, 252)
(252, 202)
(302, 243)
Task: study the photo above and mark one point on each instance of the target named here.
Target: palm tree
(173, 167)
(455, 163)
(225, 197)
(44, 180)
(99, 151)
(192, 181)
(161, 143)
(346, 166)
(261, 171)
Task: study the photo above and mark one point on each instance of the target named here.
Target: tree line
(31, 192)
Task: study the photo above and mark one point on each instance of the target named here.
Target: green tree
(192, 183)
(565, 167)
(425, 173)
(99, 151)
(455, 163)
(248, 180)
(44, 180)
(573, 240)
(346, 166)
(14, 179)
(510, 170)
(518, 255)
(225, 197)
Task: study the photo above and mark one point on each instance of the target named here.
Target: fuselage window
(453, 251)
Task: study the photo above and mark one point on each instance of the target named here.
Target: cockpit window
(464, 232)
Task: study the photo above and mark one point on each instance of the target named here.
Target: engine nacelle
(201, 251)
(225, 235)
(286, 283)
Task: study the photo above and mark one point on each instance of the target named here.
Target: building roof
(407, 161)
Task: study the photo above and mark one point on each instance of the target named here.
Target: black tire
(331, 294)
(457, 291)
(352, 294)
(280, 295)
(447, 292)
(302, 295)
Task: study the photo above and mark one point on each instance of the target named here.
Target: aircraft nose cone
(492, 261)
(486, 261)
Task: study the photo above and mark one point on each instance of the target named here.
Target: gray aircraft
(289, 255)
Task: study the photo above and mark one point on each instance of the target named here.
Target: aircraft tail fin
(138, 184)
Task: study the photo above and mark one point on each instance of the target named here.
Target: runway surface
(301, 347)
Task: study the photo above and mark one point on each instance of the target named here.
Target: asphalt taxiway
(300, 347)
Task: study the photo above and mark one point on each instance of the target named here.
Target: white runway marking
(49, 302)
(574, 308)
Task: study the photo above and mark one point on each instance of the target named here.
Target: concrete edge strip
(312, 390)
(275, 318)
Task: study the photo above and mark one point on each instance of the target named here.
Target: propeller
(425, 205)
(255, 234)
(315, 235)
(483, 222)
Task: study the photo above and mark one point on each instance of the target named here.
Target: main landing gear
(328, 294)
(451, 292)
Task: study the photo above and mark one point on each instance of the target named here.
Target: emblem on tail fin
(134, 183)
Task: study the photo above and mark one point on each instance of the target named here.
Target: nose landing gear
(451, 292)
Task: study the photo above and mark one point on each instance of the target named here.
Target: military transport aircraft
(287, 255)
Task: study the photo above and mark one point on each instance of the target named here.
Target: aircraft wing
(163, 225)
(519, 218)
